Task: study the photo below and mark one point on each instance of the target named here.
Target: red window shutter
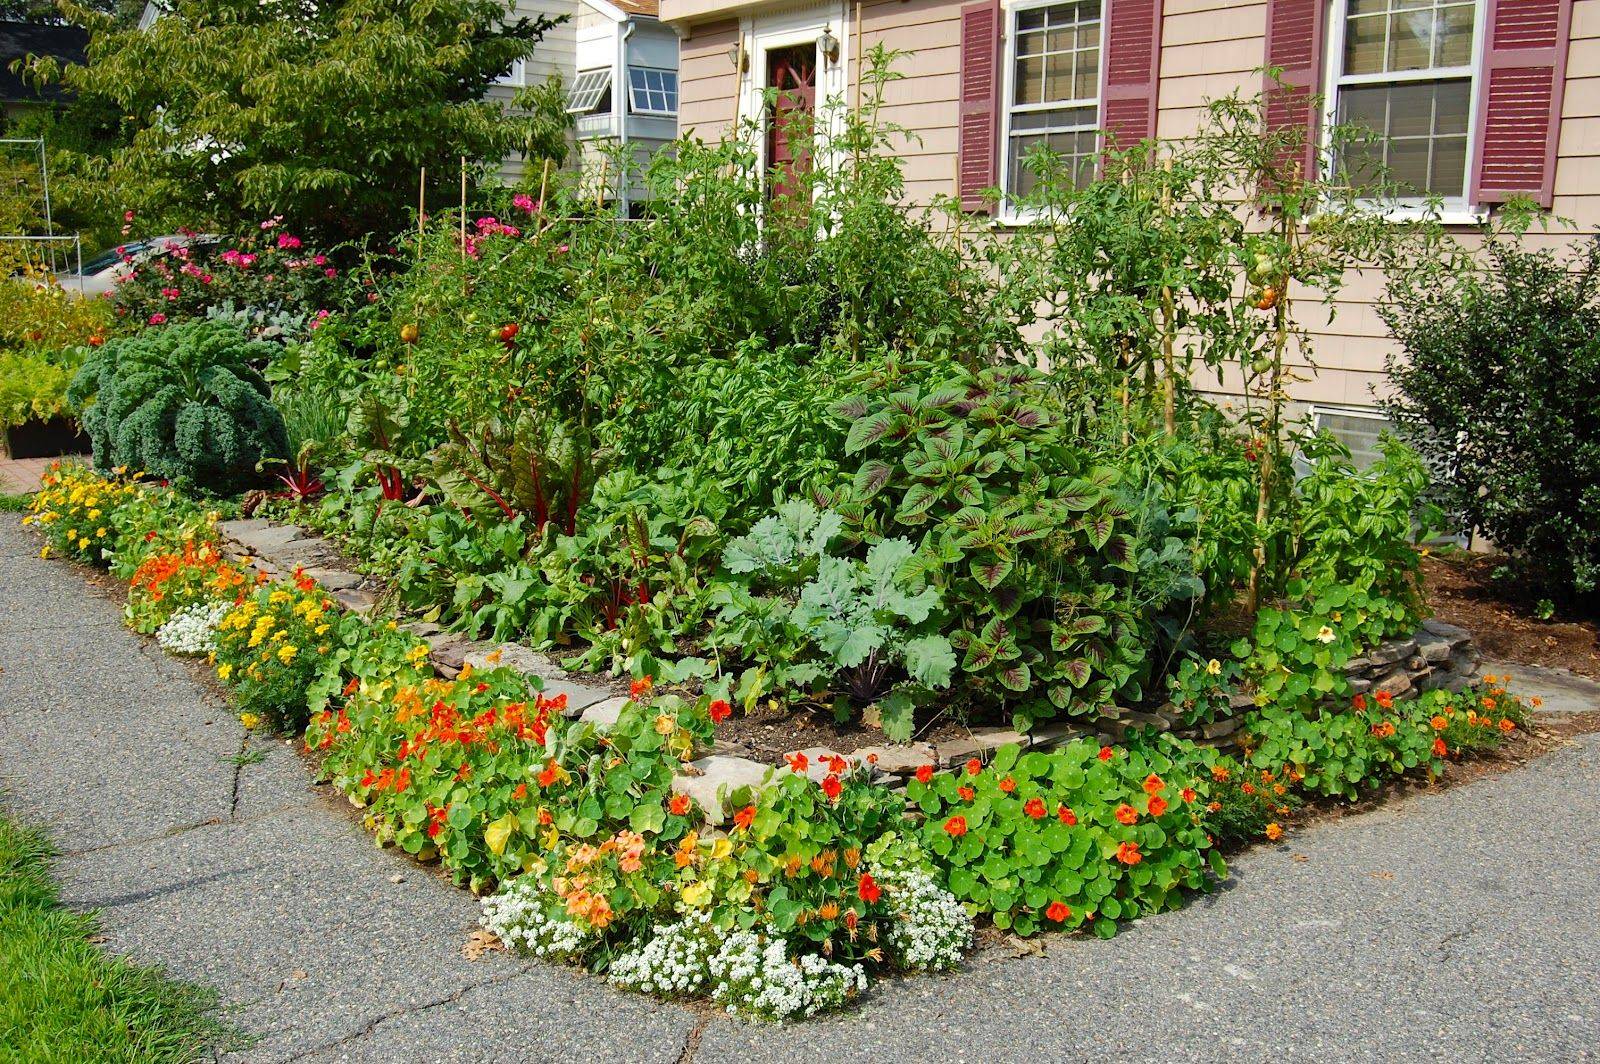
(976, 161)
(1519, 100)
(1294, 45)
(1130, 76)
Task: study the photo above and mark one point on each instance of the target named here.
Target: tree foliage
(233, 110)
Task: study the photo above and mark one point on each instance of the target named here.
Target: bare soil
(1503, 617)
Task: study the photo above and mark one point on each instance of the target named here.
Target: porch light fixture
(828, 46)
(739, 59)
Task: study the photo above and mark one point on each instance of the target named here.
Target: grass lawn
(14, 504)
(61, 998)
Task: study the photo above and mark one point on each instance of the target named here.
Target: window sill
(1456, 214)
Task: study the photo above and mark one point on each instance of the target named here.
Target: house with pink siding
(1479, 99)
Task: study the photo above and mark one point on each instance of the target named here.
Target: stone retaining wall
(1437, 655)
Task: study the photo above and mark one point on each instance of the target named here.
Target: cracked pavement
(1464, 924)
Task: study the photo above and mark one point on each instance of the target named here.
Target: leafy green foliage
(229, 119)
(1107, 834)
(1496, 391)
(186, 404)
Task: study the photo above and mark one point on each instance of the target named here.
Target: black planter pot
(46, 439)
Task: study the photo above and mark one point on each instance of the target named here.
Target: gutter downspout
(619, 107)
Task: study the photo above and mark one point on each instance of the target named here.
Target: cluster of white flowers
(676, 960)
(752, 973)
(193, 629)
(518, 916)
(931, 929)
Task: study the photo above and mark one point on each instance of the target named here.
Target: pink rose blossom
(288, 242)
(158, 319)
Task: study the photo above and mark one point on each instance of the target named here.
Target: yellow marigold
(1274, 831)
(224, 670)
(287, 652)
(249, 720)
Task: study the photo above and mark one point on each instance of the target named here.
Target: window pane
(1058, 82)
(1420, 132)
(1363, 45)
(1088, 86)
(1410, 110)
(1031, 19)
(1411, 40)
(1454, 44)
(1452, 102)
(1030, 80)
(1057, 118)
(1408, 165)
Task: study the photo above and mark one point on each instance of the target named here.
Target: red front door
(793, 72)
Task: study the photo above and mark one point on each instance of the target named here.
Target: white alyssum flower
(676, 960)
(751, 973)
(193, 629)
(931, 930)
(520, 915)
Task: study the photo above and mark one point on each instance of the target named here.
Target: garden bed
(1463, 589)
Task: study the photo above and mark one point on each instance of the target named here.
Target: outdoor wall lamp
(828, 46)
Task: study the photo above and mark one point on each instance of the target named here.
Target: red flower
(851, 918)
(1127, 814)
(1247, 788)
(1034, 807)
(520, 793)
(1128, 853)
(1384, 698)
(546, 818)
(1058, 912)
(1008, 785)
(679, 805)
(1157, 805)
(956, 826)
(837, 765)
(369, 779)
(832, 787)
(639, 688)
(1187, 794)
(1153, 784)
(550, 774)
(1439, 749)
(434, 829)
(974, 767)
(1360, 702)
(720, 711)
(867, 890)
(798, 761)
(744, 818)
(1067, 816)
(1105, 753)
(924, 773)
(966, 793)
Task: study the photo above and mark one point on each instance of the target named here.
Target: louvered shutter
(1519, 99)
(1131, 72)
(1294, 44)
(976, 160)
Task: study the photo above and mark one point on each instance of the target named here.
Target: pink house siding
(1209, 48)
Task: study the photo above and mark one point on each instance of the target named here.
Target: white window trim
(608, 82)
(1009, 214)
(1452, 210)
(516, 77)
(645, 112)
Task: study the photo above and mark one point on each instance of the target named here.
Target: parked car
(101, 274)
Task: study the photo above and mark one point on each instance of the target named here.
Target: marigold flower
(1127, 814)
(868, 890)
(1439, 723)
(1128, 853)
(924, 773)
(1034, 807)
(1058, 912)
(1008, 785)
(956, 826)
(1066, 816)
(719, 711)
(1248, 788)
(1507, 725)
(1274, 831)
(974, 767)
(1214, 807)
(829, 910)
(1157, 805)
(1219, 773)
(744, 818)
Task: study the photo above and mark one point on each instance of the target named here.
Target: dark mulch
(771, 733)
(1503, 615)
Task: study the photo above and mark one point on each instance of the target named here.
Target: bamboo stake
(463, 208)
(422, 208)
(860, 46)
(1169, 404)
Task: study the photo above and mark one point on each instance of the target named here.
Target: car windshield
(107, 259)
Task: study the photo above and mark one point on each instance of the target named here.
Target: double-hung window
(1402, 77)
(1052, 90)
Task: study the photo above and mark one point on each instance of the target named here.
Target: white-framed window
(1403, 73)
(516, 77)
(591, 91)
(653, 91)
(1358, 428)
(1051, 89)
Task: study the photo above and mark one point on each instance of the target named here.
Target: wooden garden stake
(422, 208)
(463, 208)
(1169, 401)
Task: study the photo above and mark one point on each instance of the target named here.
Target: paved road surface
(1462, 926)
